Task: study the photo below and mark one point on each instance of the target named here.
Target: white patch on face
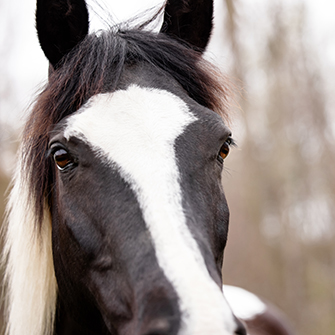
(137, 129)
(244, 304)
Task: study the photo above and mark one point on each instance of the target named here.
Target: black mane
(95, 66)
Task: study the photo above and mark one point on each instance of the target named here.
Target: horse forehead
(143, 118)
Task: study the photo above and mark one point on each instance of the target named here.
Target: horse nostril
(241, 328)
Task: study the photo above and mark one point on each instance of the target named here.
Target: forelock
(95, 66)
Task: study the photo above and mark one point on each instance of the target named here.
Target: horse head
(118, 219)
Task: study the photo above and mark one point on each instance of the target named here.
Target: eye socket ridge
(225, 149)
(61, 156)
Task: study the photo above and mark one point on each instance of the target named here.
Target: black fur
(95, 66)
(60, 25)
(108, 276)
(188, 20)
(103, 254)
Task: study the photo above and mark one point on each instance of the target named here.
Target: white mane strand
(30, 277)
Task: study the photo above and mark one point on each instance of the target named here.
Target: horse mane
(94, 66)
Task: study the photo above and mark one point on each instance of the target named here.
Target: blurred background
(280, 181)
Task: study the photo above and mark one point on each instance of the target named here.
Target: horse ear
(61, 25)
(189, 20)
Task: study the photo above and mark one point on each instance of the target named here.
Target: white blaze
(136, 129)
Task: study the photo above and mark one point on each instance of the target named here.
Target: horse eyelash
(232, 142)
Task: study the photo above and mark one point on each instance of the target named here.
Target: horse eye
(63, 159)
(225, 149)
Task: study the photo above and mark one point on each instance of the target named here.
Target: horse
(117, 219)
(259, 316)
